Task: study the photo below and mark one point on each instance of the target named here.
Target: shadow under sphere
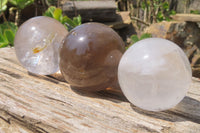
(90, 56)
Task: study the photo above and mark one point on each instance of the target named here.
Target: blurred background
(134, 20)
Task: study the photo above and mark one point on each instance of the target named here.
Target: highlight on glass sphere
(37, 43)
(154, 74)
(90, 56)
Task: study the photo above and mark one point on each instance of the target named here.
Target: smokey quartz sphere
(90, 56)
(154, 74)
(37, 44)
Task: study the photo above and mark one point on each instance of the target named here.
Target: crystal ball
(37, 43)
(90, 56)
(154, 74)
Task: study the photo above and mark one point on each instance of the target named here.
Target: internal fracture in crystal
(37, 43)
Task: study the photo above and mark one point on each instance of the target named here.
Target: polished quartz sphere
(37, 43)
(90, 56)
(154, 74)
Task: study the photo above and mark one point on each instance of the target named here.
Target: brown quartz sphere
(90, 56)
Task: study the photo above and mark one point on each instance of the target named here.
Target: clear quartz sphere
(154, 74)
(37, 43)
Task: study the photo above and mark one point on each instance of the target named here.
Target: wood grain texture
(186, 17)
(96, 11)
(123, 20)
(41, 104)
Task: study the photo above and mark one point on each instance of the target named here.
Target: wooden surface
(186, 17)
(98, 11)
(123, 20)
(41, 104)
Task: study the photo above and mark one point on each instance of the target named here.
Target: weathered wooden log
(186, 17)
(99, 11)
(40, 104)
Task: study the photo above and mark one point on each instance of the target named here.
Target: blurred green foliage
(7, 34)
(135, 38)
(56, 13)
(21, 4)
(3, 5)
(9, 29)
(195, 12)
(160, 9)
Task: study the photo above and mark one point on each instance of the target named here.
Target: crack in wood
(17, 76)
(54, 99)
(28, 123)
(31, 124)
(11, 60)
(6, 120)
(188, 117)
